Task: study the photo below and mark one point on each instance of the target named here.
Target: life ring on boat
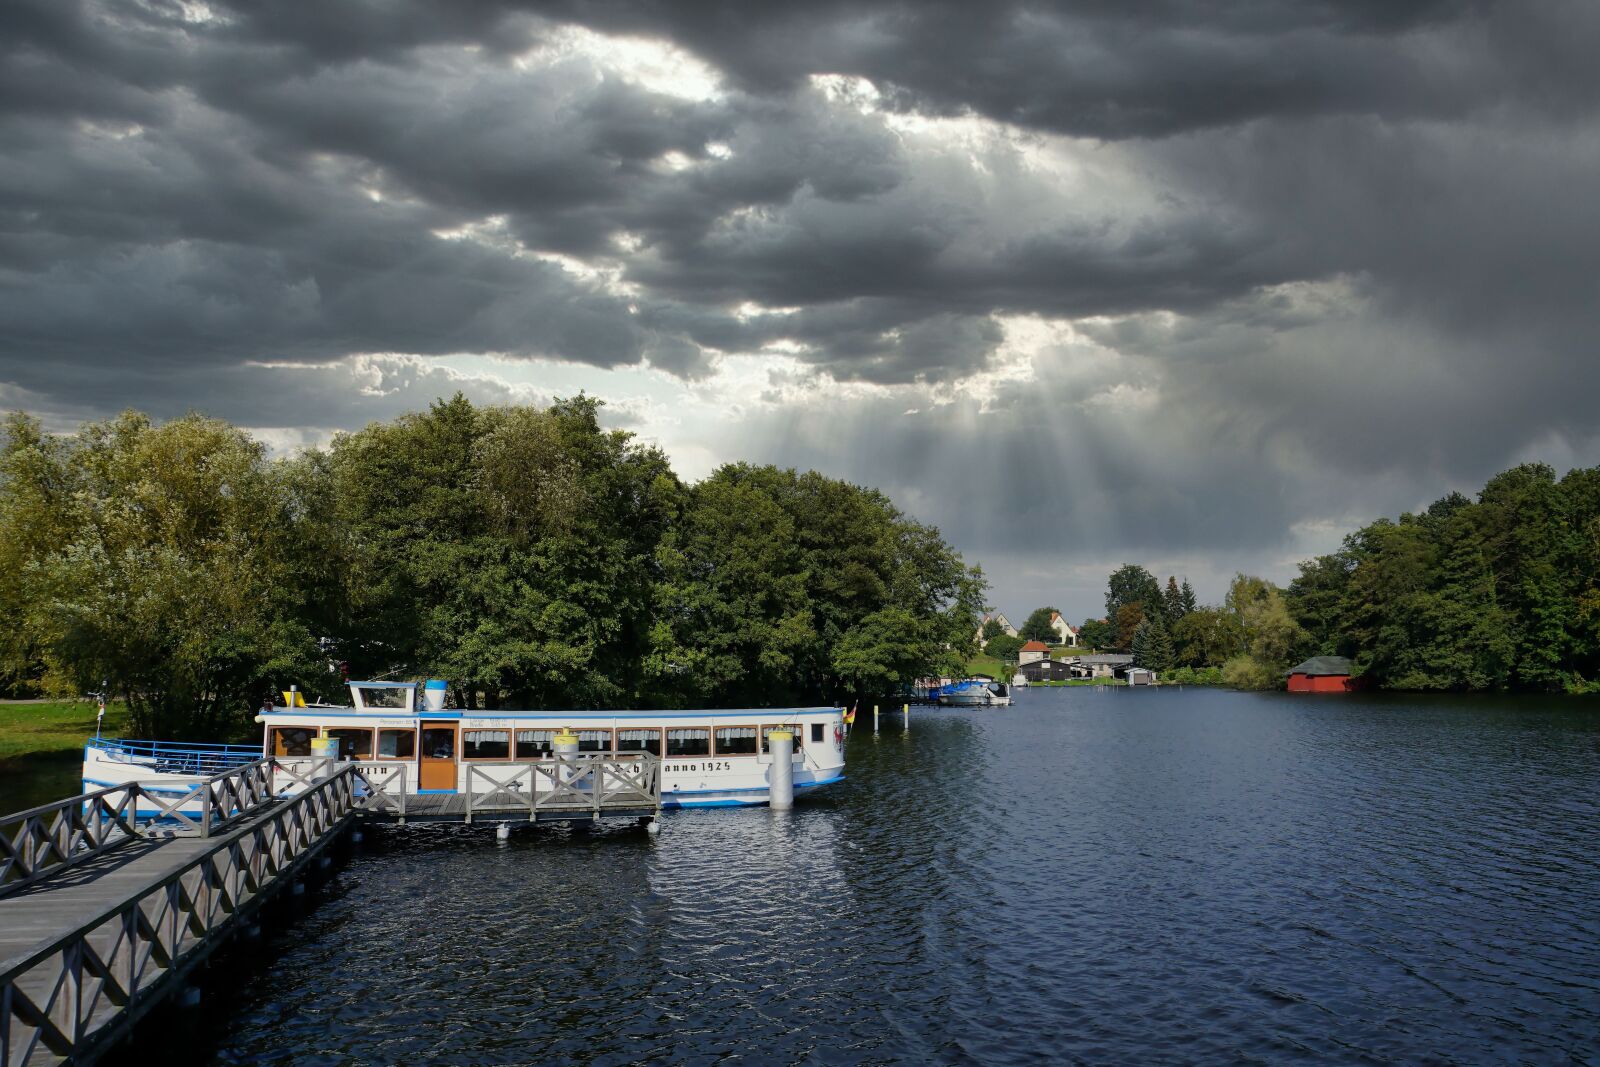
(838, 736)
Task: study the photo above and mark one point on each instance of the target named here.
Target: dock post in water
(874, 718)
(905, 709)
(780, 777)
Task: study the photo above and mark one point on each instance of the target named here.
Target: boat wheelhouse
(708, 758)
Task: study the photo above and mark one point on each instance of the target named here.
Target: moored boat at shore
(974, 693)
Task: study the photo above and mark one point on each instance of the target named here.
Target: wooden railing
(566, 784)
(35, 842)
(45, 840)
(61, 998)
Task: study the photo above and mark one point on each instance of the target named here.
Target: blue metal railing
(173, 757)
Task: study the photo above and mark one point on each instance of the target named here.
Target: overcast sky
(1081, 285)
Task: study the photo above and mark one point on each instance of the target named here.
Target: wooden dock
(103, 915)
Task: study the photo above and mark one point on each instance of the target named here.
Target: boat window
(383, 698)
(353, 744)
(486, 744)
(534, 744)
(816, 733)
(639, 741)
(593, 740)
(397, 744)
(292, 740)
(736, 740)
(439, 743)
(689, 741)
(799, 734)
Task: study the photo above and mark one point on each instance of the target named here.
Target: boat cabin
(708, 757)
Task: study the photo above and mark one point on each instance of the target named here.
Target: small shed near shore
(1321, 674)
(1046, 670)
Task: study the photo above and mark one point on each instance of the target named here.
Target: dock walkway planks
(88, 949)
(50, 909)
(90, 946)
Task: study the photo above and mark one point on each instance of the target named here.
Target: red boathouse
(1322, 674)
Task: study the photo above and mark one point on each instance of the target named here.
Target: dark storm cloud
(1314, 243)
(1118, 70)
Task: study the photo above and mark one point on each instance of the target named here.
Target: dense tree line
(1498, 592)
(528, 555)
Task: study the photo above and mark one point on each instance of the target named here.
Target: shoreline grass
(53, 727)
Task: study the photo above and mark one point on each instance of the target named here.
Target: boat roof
(345, 712)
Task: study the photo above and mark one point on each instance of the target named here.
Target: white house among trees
(1067, 632)
(1005, 625)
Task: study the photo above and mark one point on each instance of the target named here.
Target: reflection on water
(1131, 876)
(39, 778)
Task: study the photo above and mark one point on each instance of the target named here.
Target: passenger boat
(709, 758)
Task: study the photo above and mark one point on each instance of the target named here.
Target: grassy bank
(41, 749)
(985, 665)
(60, 726)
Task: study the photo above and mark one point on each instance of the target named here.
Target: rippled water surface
(1113, 877)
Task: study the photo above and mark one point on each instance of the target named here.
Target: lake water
(1115, 877)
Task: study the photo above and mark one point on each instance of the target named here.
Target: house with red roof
(1032, 652)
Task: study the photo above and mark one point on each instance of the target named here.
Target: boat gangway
(108, 900)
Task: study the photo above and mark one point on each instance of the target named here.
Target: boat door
(436, 759)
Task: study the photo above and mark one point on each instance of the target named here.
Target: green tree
(1152, 645)
(1187, 598)
(511, 550)
(1129, 616)
(1132, 594)
(1532, 547)
(1420, 610)
(1038, 627)
(37, 507)
(1131, 584)
(772, 569)
(1317, 601)
(1097, 633)
(173, 572)
(1208, 637)
(992, 629)
(1271, 634)
(1172, 603)
(1004, 648)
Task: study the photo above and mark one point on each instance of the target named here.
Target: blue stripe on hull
(92, 784)
(731, 798)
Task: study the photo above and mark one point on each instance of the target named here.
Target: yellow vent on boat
(293, 700)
